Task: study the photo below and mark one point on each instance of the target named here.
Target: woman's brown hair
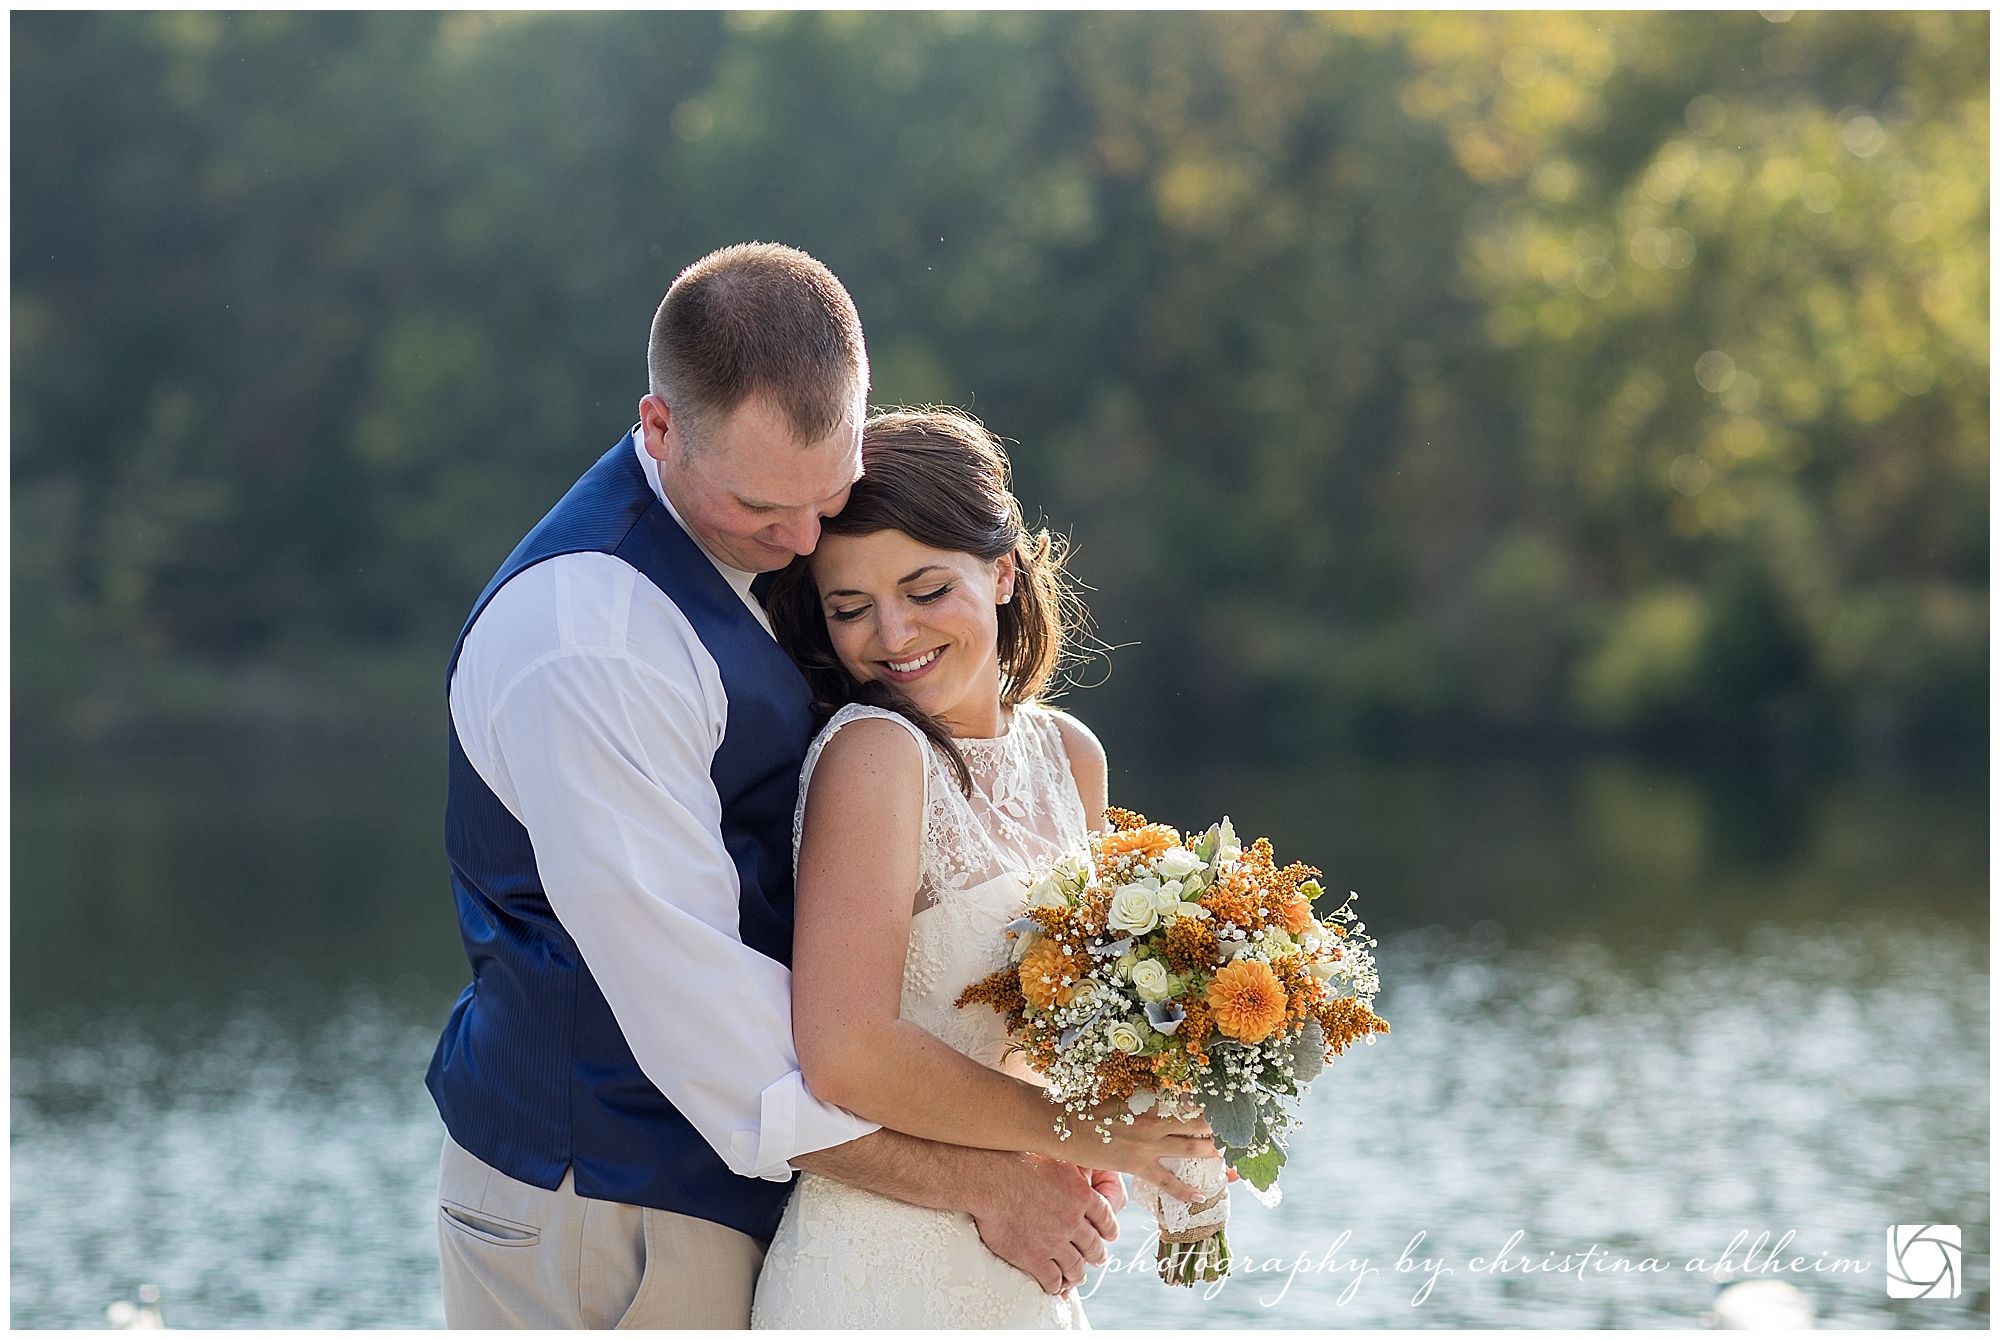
(939, 477)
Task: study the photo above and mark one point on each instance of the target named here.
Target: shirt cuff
(792, 1122)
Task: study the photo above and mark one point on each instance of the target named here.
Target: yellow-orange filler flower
(1247, 1000)
(1042, 971)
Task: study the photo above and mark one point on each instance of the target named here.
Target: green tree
(1398, 375)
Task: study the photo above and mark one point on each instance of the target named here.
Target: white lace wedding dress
(845, 1258)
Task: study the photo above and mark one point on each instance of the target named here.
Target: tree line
(1488, 377)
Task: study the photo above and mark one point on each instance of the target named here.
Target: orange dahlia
(1043, 969)
(1145, 843)
(1247, 1000)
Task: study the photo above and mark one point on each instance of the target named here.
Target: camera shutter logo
(1923, 1261)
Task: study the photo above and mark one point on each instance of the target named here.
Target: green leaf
(1233, 1119)
(1261, 1168)
(1309, 1053)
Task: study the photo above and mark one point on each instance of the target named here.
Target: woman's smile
(915, 667)
(923, 619)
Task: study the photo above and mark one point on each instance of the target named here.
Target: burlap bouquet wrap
(1193, 1245)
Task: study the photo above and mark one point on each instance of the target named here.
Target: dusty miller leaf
(1233, 1119)
(1261, 1168)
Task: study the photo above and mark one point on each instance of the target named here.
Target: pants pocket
(488, 1228)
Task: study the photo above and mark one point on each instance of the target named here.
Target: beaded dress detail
(846, 1258)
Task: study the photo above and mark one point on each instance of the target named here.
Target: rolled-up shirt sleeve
(604, 755)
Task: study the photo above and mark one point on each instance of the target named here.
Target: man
(623, 1101)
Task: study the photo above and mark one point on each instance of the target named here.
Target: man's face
(750, 492)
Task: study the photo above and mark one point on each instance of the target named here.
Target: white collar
(738, 579)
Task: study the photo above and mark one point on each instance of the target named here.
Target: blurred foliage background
(1404, 380)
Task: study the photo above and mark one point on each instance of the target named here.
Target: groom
(624, 1106)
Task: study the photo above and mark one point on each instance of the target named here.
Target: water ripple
(1829, 1080)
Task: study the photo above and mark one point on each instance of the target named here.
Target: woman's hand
(1141, 1146)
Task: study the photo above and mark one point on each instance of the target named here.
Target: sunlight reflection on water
(1829, 1080)
(1824, 1081)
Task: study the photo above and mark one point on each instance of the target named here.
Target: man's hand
(1111, 1186)
(1046, 1217)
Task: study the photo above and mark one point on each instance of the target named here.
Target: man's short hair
(757, 318)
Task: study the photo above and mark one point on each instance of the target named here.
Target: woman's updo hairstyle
(939, 477)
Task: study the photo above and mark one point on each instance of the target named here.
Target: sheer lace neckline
(1009, 732)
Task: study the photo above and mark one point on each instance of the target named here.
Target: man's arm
(1041, 1215)
(588, 705)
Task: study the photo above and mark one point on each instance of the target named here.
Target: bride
(931, 619)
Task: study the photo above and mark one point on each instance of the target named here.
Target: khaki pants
(514, 1256)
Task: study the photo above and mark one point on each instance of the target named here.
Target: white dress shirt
(585, 700)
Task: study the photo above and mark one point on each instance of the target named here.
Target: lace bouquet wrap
(1185, 977)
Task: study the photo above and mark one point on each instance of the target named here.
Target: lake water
(1635, 1009)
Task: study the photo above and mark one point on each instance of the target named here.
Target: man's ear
(658, 433)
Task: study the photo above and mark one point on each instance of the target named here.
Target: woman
(927, 620)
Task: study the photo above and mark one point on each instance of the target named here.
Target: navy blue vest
(532, 1075)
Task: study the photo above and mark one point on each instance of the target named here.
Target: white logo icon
(1923, 1261)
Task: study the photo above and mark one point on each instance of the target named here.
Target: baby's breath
(1252, 985)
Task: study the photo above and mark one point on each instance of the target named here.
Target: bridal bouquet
(1185, 977)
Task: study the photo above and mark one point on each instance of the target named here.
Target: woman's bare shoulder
(1079, 740)
(869, 757)
(871, 745)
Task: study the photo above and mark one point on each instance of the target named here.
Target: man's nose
(800, 536)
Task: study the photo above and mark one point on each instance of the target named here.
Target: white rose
(1324, 970)
(1167, 900)
(1149, 978)
(1178, 863)
(1195, 910)
(1086, 991)
(1048, 893)
(1132, 911)
(1126, 1038)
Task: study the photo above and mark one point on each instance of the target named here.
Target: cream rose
(1150, 980)
(1133, 911)
(1126, 1039)
(1048, 893)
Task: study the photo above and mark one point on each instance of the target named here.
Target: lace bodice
(979, 852)
(845, 1258)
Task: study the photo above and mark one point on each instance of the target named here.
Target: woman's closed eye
(849, 615)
